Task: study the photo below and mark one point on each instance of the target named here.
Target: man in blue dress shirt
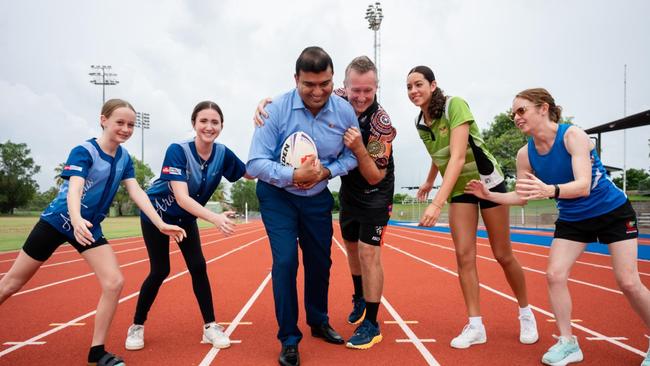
(295, 204)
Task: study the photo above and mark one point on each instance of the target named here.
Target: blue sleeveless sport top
(555, 168)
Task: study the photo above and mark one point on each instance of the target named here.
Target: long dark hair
(436, 106)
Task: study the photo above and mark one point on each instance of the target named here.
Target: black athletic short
(356, 227)
(470, 198)
(44, 239)
(616, 225)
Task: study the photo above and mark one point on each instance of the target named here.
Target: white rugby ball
(296, 149)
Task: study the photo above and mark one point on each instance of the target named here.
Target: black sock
(96, 352)
(371, 312)
(358, 286)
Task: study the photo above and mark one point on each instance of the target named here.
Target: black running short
(44, 239)
(470, 198)
(616, 225)
(357, 228)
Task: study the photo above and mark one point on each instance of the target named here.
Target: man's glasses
(420, 126)
(520, 111)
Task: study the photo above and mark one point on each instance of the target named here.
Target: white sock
(476, 321)
(525, 311)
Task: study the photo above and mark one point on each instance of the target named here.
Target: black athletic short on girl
(44, 239)
(616, 225)
(470, 198)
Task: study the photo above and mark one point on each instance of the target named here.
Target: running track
(50, 320)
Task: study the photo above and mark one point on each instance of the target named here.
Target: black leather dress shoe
(326, 332)
(289, 356)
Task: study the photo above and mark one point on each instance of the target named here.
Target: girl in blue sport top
(560, 162)
(190, 174)
(92, 176)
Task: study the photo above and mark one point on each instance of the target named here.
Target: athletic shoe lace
(136, 331)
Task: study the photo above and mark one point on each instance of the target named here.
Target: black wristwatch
(557, 191)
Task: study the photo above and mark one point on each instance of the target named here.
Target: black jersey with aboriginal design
(356, 194)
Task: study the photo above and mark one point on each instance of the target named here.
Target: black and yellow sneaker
(366, 336)
(358, 310)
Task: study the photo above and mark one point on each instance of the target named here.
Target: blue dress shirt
(288, 114)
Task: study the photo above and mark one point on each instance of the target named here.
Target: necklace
(202, 162)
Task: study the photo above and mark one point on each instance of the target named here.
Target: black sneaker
(358, 310)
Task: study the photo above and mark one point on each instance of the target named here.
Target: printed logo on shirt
(73, 167)
(171, 170)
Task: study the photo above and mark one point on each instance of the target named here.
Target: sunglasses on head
(521, 110)
(420, 126)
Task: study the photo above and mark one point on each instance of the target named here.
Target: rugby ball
(296, 149)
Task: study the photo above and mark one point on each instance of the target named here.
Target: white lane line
(426, 340)
(121, 266)
(405, 322)
(210, 356)
(125, 298)
(240, 323)
(524, 267)
(428, 357)
(139, 240)
(448, 237)
(572, 320)
(28, 344)
(538, 309)
(605, 338)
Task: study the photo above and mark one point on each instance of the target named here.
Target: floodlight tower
(142, 121)
(103, 76)
(374, 16)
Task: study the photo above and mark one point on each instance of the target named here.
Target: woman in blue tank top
(92, 175)
(560, 162)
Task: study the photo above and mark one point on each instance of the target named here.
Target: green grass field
(15, 229)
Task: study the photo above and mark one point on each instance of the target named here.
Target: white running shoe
(528, 329)
(135, 338)
(213, 334)
(470, 335)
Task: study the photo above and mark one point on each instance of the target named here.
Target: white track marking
(121, 266)
(506, 296)
(523, 267)
(428, 357)
(123, 299)
(209, 357)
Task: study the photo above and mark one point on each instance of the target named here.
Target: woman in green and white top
(452, 138)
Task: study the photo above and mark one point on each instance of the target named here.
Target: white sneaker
(470, 335)
(528, 329)
(135, 338)
(213, 333)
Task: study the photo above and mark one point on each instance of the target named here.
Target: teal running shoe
(564, 352)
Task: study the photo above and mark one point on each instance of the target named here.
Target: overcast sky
(169, 55)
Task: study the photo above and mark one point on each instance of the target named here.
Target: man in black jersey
(366, 197)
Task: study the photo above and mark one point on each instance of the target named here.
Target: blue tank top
(201, 180)
(555, 168)
(100, 186)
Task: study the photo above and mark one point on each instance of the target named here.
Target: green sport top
(479, 163)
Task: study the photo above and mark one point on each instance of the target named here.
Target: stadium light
(374, 16)
(142, 122)
(103, 76)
